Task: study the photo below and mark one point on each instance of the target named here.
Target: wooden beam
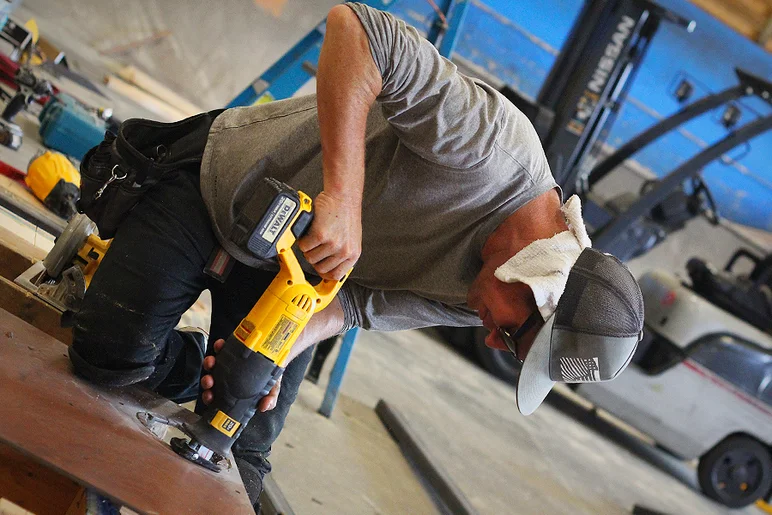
(30, 485)
(725, 13)
(16, 254)
(23, 304)
(751, 18)
(151, 103)
(18, 199)
(756, 10)
(144, 81)
(765, 36)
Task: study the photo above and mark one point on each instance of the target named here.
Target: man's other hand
(267, 403)
(334, 241)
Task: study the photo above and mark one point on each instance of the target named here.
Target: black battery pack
(282, 204)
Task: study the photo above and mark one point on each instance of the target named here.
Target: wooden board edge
(23, 304)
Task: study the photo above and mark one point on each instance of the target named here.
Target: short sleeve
(440, 114)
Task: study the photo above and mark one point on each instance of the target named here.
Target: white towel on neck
(544, 264)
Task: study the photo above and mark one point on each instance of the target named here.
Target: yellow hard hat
(55, 181)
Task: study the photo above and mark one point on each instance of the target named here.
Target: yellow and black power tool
(61, 279)
(254, 356)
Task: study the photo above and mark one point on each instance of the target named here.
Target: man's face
(502, 305)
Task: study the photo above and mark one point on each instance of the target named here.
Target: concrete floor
(555, 461)
(211, 52)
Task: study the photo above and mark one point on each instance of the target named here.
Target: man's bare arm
(348, 83)
(325, 324)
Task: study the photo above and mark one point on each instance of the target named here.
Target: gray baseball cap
(593, 333)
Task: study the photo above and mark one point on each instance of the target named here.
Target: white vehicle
(700, 383)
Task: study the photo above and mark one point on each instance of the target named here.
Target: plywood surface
(92, 435)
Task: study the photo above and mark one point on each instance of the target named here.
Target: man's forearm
(348, 83)
(325, 324)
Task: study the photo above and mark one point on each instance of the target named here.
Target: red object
(12, 172)
(669, 298)
(8, 71)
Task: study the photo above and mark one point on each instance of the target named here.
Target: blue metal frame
(288, 74)
(456, 16)
(295, 68)
(338, 372)
(438, 28)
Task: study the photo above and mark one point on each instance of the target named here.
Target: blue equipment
(70, 128)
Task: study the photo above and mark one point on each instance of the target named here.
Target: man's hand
(322, 325)
(334, 241)
(267, 403)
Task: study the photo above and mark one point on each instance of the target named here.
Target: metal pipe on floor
(272, 500)
(442, 487)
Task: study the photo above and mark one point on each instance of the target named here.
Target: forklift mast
(586, 86)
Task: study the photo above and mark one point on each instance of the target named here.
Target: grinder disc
(182, 447)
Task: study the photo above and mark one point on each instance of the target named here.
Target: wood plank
(142, 80)
(18, 199)
(737, 21)
(27, 483)
(9, 508)
(80, 505)
(153, 104)
(93, 436)
(16, 254)
(23, 304)
(755, 10)
(765, 35)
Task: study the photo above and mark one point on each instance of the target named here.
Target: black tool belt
(117, 172)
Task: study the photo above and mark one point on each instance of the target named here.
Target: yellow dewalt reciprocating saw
(254, 356)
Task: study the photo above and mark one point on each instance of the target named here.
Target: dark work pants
(153, 272)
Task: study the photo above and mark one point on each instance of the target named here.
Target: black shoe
(197, 336)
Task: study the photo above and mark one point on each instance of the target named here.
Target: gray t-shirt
(447, 160)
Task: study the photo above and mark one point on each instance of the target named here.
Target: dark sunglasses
(512, 339)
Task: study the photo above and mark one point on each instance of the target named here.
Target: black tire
(736, 472)
(499, 363)
(458, 337)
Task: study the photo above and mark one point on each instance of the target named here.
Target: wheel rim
(737, 475)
